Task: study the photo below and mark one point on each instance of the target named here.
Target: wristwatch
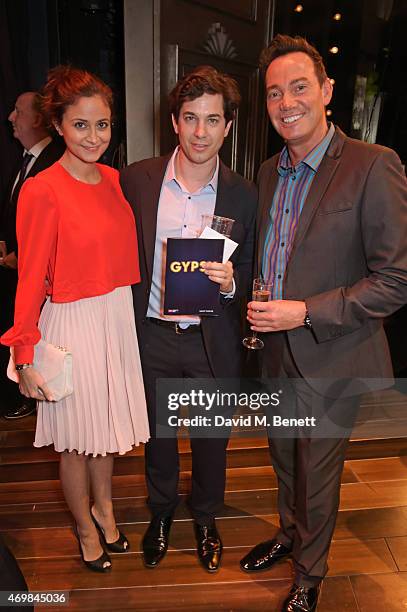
(23, 366)
(307, 320)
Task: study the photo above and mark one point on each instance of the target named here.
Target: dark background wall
(36, 35)
(370, 37)
(227, 33)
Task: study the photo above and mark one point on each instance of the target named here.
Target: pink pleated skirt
(107, 411)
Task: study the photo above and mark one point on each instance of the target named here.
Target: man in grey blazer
(169, 194)
(332, 236)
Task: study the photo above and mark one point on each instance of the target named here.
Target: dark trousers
(166, 354)
(309, 473)
(10, 396)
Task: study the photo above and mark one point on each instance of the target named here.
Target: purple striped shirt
(293, 185)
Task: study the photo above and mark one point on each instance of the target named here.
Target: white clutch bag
(54, 363)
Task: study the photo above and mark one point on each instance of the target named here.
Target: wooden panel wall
(170, 37)
(229, 36)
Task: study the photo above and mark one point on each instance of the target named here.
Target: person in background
(11, 579)
(66, 215)
(169, 194)
(332, 234)
(40, 151)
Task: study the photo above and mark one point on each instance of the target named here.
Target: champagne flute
(261, 293)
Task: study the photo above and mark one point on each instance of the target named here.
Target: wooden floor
(368, 558)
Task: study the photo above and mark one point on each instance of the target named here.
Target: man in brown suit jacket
(332, 235)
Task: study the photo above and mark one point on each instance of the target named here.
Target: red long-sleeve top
(75, 241)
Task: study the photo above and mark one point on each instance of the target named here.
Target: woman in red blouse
(78, 251)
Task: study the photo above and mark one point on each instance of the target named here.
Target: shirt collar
(312, 159)
(170, 174)
(38, 148)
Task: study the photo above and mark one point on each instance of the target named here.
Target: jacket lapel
(263, 215)
(148, 208)
(48, 156)
(224, 201)
(326, 171)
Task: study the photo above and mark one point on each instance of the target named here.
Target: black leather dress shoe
(22, 411)
(263, 556)
(301, 599)
(209, 546)
(155, 541)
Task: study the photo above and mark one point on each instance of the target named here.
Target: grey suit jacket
(348, 262)
(236, 198)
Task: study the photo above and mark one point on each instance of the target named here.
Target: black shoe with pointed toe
(209, 546)
(302, 599)
(155, 541)
(264, 556)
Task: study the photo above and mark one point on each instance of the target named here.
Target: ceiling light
(337, 17)
(334, 50)
(299, 8)
(328, 112)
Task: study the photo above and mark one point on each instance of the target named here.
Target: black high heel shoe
(102, 564)
(119, 546)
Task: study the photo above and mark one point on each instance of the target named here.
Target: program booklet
(188, 291)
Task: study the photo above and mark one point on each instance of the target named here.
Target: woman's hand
(33, 385)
